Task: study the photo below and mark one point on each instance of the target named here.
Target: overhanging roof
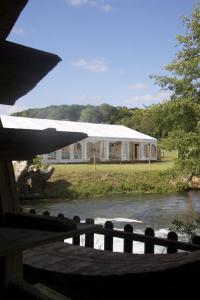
(9, 12)
(101, 131)
(23, 144)
(21, 68)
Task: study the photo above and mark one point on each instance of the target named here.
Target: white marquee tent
(104, 142)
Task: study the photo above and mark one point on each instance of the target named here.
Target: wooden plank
(91, 262)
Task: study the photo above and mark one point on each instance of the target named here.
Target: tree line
(104, 113)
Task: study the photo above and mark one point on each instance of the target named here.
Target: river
(146, 210)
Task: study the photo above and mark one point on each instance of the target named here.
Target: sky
(108, 49)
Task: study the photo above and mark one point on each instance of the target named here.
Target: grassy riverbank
(83, 180)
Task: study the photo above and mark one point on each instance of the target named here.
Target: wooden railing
(149, 239)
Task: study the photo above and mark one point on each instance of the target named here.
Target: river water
(146, 210)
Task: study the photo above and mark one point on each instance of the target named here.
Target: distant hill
(104, 113)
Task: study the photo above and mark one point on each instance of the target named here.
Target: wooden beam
(9, 201)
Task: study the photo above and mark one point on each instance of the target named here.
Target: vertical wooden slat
(149, 246)
(128, 244)
(174, 237)
(76, 239)
(89, 237)
(108, 240)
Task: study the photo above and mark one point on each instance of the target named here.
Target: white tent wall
(144, 152)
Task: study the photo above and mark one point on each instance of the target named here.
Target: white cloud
(99, 4)
(79, 2)
(137, 86)
(97, 65)
(8, 109)
(148, 99)
(17, 31)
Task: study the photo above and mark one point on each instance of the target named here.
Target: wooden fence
(149, 239)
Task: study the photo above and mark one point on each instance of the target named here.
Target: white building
(104, 142)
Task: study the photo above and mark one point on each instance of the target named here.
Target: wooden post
(108, 240)
(89, 237)
(149, 146)
(94, 163)
(76, 239)
(128, 244)
(9, 201)
(149, 246)
(11, 270)
(174, 237)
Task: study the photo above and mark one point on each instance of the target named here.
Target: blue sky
(108, 49)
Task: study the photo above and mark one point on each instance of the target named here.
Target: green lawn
(166, 163)
(87, 180)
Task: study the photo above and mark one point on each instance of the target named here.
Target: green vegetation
(188, 228)
(81, 180)
(103, 113)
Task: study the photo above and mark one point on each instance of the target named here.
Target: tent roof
(92, 130)
(9, 12)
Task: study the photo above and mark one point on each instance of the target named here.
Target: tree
(185, 68)
(91, 115)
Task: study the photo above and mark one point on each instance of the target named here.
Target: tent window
(94, 150)
(77, 151)
(65, 153)
(115, 151)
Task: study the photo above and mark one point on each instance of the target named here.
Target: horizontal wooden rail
(137, 237)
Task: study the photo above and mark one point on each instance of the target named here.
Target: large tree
(185, 68)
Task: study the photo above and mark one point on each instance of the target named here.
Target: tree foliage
(104, 113)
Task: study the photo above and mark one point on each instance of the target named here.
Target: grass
(82, 180)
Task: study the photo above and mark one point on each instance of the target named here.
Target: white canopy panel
(91, 129)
